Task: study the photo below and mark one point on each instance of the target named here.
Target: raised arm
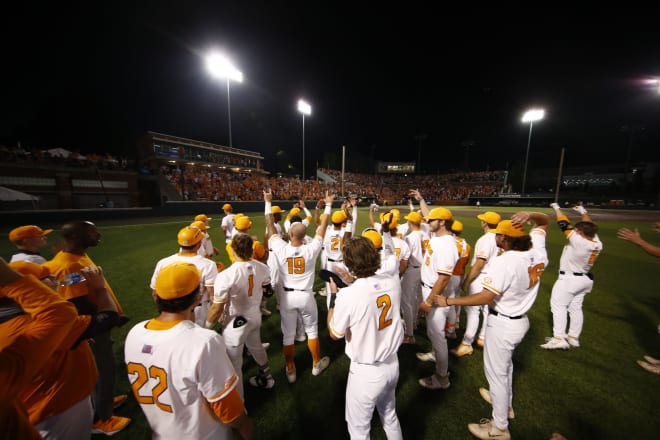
(270, 222)
(320, 231)
(636, 238)
(414, 193)
(540, 219)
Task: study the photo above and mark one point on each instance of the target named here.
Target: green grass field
(596, 391)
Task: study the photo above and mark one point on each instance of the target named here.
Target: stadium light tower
(305, 109)
(530, 116)
(221, 67)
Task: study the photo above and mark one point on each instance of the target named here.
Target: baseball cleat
(320, 366)
(111, 426)
(651, 368)
(485, 394)
(435, 382)
(462, 350)
(555, 344)
(301, 337)
(651, 360)
(426, 357)
(266, 382)
(291, 375)
(451, 335)
(573, 341)
(486, 429)
(480, 342)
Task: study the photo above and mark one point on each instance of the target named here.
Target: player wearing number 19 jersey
(367, 314)
(179, 372)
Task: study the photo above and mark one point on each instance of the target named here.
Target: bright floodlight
(304, 107)
(220, 66)
(533, 115)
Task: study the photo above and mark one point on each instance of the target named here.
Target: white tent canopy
(11, 195)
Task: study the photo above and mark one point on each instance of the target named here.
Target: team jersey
(401, 250)
(297, 264)
(400, 230)
(514, 277)
(208, 270)
(206, 249)
(23, 255)
(417, 241)
(241, 285)
(389, 265)
(306, 221)
(175, 371)
(228, 225)
(64, 263)
(333, 242)
(463, 249)
(441, 257)
(485, 249)
(580, 253)
(370, 310)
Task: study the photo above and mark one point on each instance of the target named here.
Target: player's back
(241, 285)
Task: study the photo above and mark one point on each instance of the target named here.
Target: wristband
(328, 209)
(269, 208)
(349, 226)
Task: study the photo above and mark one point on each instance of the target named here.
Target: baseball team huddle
(187, 377)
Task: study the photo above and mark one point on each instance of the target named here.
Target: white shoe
(435, 382)
(291, 375)
(426, 357)
(573, 341)
(301, 338)
(486, 429)
(265, 345)
(320, 366)
(556, 344)
(485, 394)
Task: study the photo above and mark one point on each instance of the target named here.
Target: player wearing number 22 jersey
(179, 372)
(367, 314)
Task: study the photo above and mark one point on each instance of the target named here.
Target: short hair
(176, 305)
(242, 246)
(361, 257)
(589, 229)
(298, 231)
(523, 243)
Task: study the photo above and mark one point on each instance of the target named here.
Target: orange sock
(314, 349)
(289, 354)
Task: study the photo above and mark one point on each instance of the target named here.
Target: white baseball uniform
(175, 371)
(240, 285)
(367, 315)
(514, 277)
(389, 265)
(411, 285)
(206, 249)
(228, 226)
(441, 258)
(574, 282)
(485, 249)
(331, 254)
(209, 271)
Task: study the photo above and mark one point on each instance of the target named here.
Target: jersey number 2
(142, 378)
(384, 303)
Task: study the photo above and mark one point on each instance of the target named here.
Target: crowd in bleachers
(200, 183)
(62, 157)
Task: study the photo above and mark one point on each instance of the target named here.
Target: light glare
(304, 107)
(533, 115)
(220, 66)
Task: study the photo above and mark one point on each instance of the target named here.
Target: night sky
(94, 77)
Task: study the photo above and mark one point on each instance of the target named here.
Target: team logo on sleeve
(239, 321)
(147, 349)
(488, 280)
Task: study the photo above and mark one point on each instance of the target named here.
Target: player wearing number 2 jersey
(510, 289)
(179, 372)
(367, 315)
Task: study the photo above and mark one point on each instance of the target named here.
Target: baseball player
(412, 277)
(401, 248)
(295, 211)
(227, 222)
(207, 249)
(65, 267)
(367, 313)
(28, 240)
(510, 289)
(484, 251)
(464, 250)
(439, 263)
(333, 243)
(180, 373)
(296, 262)
(190, 240)
(29, 350)
(236, 303)
(575, 280)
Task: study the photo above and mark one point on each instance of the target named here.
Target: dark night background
(94, 77)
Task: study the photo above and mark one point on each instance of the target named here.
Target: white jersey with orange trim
(441, 257)
(175, 372)
(209, 271)
(417, 241)
(206, 249)
(580, 253)
(333, 243)
(401, 250)
(228, 226)
(297, 264)
(241, 286)
(369, 308)
(486, 249)
(305, 221)
(517, 274)
(464, 249)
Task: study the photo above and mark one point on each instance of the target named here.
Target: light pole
(221, 67)
(305, 109)
(530, 116)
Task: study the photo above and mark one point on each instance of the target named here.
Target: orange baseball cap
(276, 209)
(374, 237)
(201, 225)
(177, 280)
(226, 207)
(439, 214)
(414, 217)
(189, 236)
(29, 268)
(510, 229)
(490, 217)
(338, 217)
(258, 250)
(28, 231)
(294, 211)
(242, 223)
(202, 218)
(457, 226)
